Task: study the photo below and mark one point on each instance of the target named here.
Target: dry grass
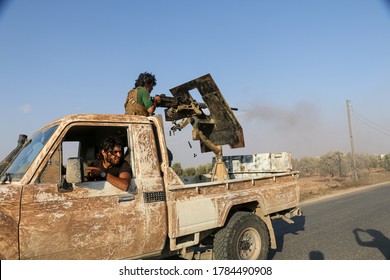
(317, 186)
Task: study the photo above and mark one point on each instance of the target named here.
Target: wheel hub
(249, 244)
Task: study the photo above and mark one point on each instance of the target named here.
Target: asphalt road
(352, 226)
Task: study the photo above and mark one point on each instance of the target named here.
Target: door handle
(126, 198)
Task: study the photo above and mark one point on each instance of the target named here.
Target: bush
(363, 178)
(333, 164)
(386, 162)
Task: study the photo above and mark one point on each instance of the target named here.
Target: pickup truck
(47, 210)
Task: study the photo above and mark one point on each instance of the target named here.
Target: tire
(245, 237)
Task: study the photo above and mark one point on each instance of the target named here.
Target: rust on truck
(221, 126)
(77, 220)
(9, 217)
(47, 210)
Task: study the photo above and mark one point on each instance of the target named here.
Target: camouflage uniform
(132, 107)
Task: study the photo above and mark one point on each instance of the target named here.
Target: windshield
(28, 153)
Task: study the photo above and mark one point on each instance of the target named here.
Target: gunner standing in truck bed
(138, 101)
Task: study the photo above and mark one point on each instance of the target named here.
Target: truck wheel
(245, 237)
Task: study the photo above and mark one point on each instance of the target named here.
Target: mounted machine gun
(219, 127)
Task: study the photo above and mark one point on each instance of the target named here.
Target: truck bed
(196, 207)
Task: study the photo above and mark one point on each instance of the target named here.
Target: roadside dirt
(317, 187)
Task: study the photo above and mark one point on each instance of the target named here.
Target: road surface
(351, 226)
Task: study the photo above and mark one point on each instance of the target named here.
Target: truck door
(89, 220)
(146, 161)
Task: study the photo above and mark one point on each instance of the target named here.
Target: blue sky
(289, 66)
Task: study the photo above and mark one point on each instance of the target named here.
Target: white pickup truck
(47, 210)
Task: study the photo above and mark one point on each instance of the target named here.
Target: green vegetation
(333, 172)
(338, 164)
(199, 170)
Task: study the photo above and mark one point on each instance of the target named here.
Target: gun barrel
(167, 101)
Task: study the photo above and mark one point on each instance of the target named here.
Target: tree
(386, 162)
(204, 169)
(308, 166)
(189, 171)
(177, 168)
(200, 169)
(333, 164)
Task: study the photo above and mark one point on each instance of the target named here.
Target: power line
(370, 123)
(372, 126)
(367, 120)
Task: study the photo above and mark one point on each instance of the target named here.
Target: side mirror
(74, 170)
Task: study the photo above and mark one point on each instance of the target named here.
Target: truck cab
(46, 217)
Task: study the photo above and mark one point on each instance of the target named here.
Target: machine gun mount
(219, 127)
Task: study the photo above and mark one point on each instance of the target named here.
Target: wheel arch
(245, 236)
(254, 206)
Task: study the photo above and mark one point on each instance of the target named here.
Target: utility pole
(351, 139)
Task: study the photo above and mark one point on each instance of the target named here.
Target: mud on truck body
(47, 210)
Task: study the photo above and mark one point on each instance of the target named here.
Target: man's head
(147, 80)
(112, 150)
